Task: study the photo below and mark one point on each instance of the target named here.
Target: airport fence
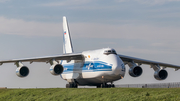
(154, 85)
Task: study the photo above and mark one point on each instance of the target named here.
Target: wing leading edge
(127, 59)
(46, 59)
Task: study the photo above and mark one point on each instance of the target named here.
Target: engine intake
(160, 74)
(22, 71)
(135, 71)
(56, 69)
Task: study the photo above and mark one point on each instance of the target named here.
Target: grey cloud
(20, 27)
(89, 30)
(1, 1)
(128, 31)
(66, 3)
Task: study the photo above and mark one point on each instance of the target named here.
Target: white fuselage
(97, 67)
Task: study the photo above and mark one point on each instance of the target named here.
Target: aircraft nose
(118, 66)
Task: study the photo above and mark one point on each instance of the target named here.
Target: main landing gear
(106, 85)
(71, 85)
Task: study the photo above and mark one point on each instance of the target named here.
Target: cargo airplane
(99, 67)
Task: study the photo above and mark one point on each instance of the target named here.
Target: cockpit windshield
(111, 51)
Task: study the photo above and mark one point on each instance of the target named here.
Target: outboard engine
(160, 74)
(22, 71)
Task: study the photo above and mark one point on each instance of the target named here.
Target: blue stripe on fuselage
(89, 66)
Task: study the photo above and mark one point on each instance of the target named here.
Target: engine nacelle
(56, 69)
(22, 71)
(160, 74)
(135, 71)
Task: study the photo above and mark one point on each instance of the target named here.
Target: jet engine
(160, 74)
(22, 71)
(134, 70)
(56, 69)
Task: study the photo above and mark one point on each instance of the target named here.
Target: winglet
(67, 44)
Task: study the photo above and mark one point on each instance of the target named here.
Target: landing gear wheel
(98, 86)
(104, 85)
(72, 85)
(67, 85)
(75, 85)
(112, 85)
(109, 86)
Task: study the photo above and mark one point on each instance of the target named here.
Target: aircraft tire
(104, 86)
(98, 86)
(107, 86)
(67, 85)
(75, 85)
(72, 85)
(112, 85)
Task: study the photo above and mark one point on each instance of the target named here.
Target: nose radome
(119, 67)
(116, 64)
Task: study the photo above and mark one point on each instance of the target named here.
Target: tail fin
(67, 45)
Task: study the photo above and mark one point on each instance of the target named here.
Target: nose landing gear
(105, 85)
(71, 85)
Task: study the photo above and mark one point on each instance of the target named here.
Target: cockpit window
(112, 51)
(109, 51)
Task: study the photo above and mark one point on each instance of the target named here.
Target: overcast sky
(148, 29)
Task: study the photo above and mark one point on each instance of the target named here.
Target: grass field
(91, 94)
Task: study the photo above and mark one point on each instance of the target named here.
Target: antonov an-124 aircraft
(99, 67)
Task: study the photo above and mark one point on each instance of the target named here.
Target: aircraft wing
(47, 58)
(127, 59)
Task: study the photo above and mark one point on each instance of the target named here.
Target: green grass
(91, 94)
